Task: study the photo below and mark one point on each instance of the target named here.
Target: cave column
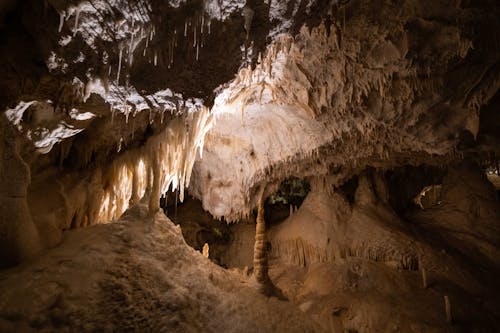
(19, 239)
(260, 264)
(365, 193)
(135, 198)
(372, 189)
(154, 197)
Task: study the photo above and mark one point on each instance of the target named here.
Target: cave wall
(18, 235)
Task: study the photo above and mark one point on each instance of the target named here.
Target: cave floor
(136, 275)
(140, 274)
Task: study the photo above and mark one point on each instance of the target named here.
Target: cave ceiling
(292, 88)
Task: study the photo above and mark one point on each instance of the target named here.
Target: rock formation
(372, 125)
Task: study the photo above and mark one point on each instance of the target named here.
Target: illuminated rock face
(347, 95)
(106, 106)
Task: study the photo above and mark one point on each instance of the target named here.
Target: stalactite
(131, 51)
(194, 36)
(248, 13)
(77, 16)
(135, 197)
(119, 65)
(62, 16)
(172, 47)
(303, 253)
(164, 162)
(149, 180)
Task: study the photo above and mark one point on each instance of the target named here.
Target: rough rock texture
(137, 274)
(63, 199)
(109, 104)
(361, 267)
(89, 85)
(468, 213)
(18, 236)
(320, 88)
(364, 296)
(326, 228)
(391, 84)
(199, 227)
(358, 266)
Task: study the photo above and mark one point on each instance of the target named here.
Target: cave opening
(200, 229)
(286, 200)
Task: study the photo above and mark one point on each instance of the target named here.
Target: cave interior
(249, 166)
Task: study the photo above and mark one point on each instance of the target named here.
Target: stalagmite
(424, 277)
(423, 272)
(205, 251)
(260, 252)
(447, 306)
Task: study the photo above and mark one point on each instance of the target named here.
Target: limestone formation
(18, 235)
(337, 162)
